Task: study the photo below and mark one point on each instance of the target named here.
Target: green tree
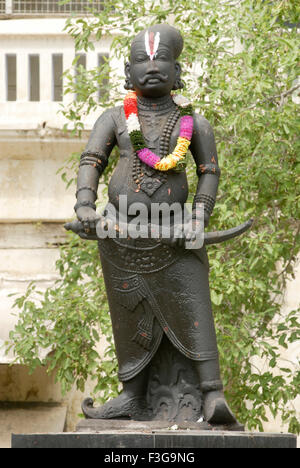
(240, 69)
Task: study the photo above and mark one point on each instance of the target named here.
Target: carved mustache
(160, 76)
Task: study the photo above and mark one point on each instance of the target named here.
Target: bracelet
(208, 169)
(85, 203)
(207, 200)
(87, 188)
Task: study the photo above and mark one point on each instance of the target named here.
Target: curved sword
(214, 237)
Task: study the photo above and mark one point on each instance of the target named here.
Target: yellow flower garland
(178, 154)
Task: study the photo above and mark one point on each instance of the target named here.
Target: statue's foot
(216, 409)
(121, 407)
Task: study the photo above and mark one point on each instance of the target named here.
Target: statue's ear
(178, 83)
(127, 70)
(128, 84)
(178, 69)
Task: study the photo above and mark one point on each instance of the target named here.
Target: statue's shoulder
(111, 112)
(201, 123)
(112, 116)
(203, 131)
(114, 111)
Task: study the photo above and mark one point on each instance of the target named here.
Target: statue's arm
(203, 149)
(93, 161)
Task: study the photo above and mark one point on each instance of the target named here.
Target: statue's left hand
(206, 217)
(180, 235)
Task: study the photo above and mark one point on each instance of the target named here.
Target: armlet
(208, 169)
(97, 160)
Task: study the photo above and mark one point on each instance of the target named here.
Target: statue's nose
(152, 67)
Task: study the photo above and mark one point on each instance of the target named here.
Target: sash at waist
(138, 255)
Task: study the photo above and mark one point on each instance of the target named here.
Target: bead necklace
(140, 171)
(176, 160)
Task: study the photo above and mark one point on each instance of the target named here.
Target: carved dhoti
(152, 290)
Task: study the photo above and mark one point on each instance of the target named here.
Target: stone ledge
(28, 417)
(123, 425)
(192, 439)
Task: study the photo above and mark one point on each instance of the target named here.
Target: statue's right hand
(88, 217)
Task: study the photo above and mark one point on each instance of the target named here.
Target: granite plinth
(96, 425)
(142, 435)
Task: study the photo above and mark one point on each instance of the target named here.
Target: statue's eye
(141, 58)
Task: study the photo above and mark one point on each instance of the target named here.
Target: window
(81, 62)
(48, 7)
(34, 77)
(57, 79)
(103, 87)
(11, 77)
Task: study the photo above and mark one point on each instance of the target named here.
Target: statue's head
(153, 70)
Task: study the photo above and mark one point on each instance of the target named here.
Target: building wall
(34, 201)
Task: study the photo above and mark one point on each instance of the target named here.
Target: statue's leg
(185, 314)
(215, 407)
(137, 337)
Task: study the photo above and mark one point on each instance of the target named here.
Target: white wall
(34, 202)
(32, 149)
(43, 37)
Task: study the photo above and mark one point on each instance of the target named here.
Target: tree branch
(276, 96)
(292, 252)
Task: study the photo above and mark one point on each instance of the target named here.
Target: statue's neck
(163, 103)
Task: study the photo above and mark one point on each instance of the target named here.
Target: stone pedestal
(121, 434)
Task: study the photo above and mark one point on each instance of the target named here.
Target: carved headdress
(160, 34)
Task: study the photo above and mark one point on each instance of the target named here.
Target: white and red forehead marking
(151, 43)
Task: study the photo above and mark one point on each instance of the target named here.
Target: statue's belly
(123, 191)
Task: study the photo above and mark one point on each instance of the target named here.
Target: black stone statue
(158, 292)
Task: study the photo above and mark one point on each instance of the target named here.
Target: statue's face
(152, 74)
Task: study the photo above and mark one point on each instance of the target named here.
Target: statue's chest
(160, 131)
(152, 126)
(157, 130)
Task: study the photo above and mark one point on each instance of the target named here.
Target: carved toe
(120, 407)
